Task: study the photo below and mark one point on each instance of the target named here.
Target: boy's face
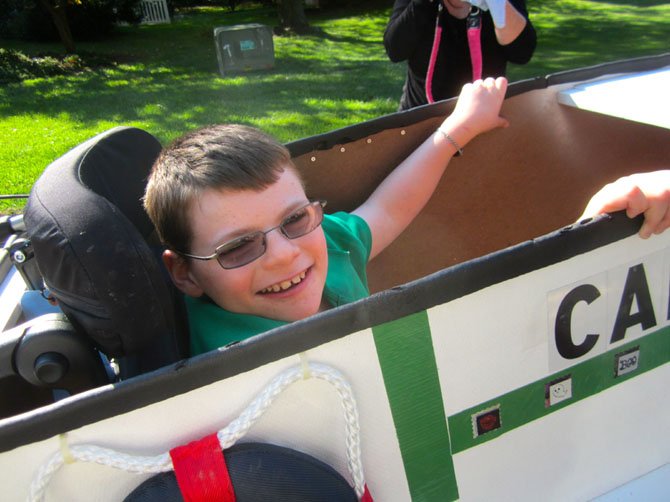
(217, 217)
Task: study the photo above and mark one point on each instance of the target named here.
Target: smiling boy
(249, 249)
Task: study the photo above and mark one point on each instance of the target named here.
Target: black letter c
(587, 293)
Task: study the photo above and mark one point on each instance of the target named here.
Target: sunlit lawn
(166, 78)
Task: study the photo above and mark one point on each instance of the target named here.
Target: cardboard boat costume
(496, 331)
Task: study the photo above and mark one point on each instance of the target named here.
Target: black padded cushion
(89, 232)
(261, 472)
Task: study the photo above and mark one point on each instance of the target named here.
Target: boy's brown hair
(220, 157)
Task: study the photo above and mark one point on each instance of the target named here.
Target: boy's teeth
(281, 286)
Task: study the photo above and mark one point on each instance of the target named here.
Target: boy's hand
(647, 193)
(477, 109)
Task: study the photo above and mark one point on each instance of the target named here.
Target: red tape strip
(201, 471)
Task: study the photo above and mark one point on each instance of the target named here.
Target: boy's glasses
(245, 249)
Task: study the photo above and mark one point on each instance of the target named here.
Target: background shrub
(89, 20)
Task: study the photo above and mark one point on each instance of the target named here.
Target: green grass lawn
(165, 77)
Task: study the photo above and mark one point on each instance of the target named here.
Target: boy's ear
(179, 271)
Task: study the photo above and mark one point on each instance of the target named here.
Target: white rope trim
(65, 449)
(304, 364)
(227, 436)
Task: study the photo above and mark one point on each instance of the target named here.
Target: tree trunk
(292, 16)
(59, 16)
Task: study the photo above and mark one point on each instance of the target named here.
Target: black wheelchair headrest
(91, 237)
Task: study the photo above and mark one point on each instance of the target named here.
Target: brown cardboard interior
(510, 185)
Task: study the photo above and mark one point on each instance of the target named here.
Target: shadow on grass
(157, 96)
(167, 76)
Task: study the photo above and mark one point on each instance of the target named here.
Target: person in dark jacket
(415, 25)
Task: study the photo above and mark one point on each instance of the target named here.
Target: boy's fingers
(467, 88)
(616, 197)
(637, 202)
(665, 222)
(621, 195)
(501, 83)
(656, 220)
(603, 202)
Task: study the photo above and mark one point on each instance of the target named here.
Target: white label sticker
(626, 362)
(558, 391)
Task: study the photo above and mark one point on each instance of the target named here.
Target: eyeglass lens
(252, 246)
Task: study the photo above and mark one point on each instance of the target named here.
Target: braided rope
(227, 436)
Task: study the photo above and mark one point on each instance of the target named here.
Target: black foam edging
(440, 287)
(635, 65)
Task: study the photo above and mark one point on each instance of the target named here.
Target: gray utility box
(244, 47)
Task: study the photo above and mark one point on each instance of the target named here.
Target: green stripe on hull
(527, 403)
(407, 361)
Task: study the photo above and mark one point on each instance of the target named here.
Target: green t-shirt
(348, 239)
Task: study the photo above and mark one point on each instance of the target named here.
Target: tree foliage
(66, 21)
(58, 11)
(292, 16)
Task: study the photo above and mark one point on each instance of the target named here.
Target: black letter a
(636, 287)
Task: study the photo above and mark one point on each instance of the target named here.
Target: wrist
(459, 132)
(454, 144)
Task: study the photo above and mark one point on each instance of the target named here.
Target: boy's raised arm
(404, 192)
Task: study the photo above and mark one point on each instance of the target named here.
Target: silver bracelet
(459, 150)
